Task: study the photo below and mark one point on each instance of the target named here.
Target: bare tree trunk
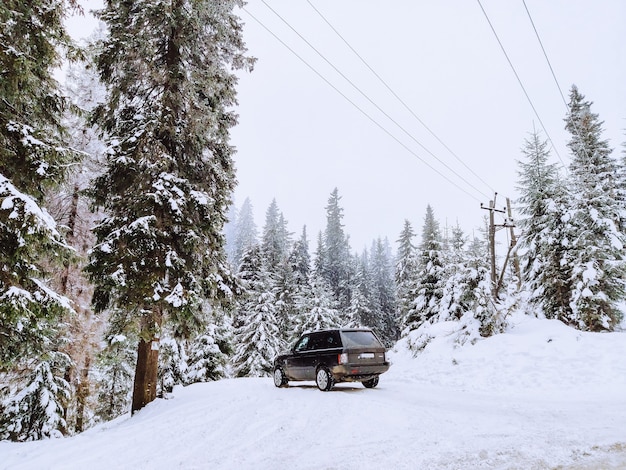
(144, 389)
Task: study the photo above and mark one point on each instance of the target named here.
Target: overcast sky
(298, 138)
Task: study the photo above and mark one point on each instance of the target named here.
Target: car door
(296, 363)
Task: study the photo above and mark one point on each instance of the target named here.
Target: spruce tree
(33, 158)
(245, 232)
(335, 259)
(430, 277)
(405, 271)
(597, 243)
(168, 66)
(543, 204)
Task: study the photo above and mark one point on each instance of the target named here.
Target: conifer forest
(127, 268)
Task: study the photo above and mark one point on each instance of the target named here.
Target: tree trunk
(144, 390)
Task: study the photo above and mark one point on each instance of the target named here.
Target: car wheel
(323, 379)
(279, 377)
(371, 383)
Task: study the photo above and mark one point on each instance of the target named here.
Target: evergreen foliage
(36, 411)
(114, 378)
(208, 355)
(430, 276)
(595, 256)
(257, 337)
(334, 256)
(33, 158)
(543, 206)
(245, 235)
(160, 254)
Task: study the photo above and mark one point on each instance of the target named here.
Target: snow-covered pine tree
(169, 68)
(33, 158)
(334, 260)
(257, 338)
(405, 271)
(245, 232)
(208, 354)
(597, 243)
(300, 260)
(275, 241)
(430, 277)
(383, 294)
(318, 309)
(543, 207)
(113, 377)
(172, 365)
(36, 411)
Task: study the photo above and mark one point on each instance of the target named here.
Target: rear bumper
(358, 372)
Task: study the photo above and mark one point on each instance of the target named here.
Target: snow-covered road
(541, 396)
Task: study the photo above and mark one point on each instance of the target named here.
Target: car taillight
(342, 358)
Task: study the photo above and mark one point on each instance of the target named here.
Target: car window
(302, 343)
(355, 339)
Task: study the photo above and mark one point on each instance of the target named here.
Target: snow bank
(540, 396)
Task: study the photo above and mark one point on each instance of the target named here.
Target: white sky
(297, 138)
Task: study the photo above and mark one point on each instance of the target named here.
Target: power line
(372, 102)
(520, 82)
(396, 96)
(545, 54)
(380, 126)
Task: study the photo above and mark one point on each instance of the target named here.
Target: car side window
(301, 345)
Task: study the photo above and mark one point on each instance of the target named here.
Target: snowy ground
(541, 396)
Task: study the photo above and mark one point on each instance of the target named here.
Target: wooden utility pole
(511, 225)
(492, 244)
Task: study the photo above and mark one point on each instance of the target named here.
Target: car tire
(371, 383)
(280, 380)
(324, 379)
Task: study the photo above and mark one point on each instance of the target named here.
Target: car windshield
(352, 339)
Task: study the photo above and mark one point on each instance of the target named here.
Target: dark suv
(332, 356)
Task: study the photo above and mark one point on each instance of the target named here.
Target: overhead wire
(361, 110)
(400, 100)
(545, 54)
(519, 80)
(372, 102)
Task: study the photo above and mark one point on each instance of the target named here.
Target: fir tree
(257, 337)
(335, 258)
(383, 293)
(208, 356)
(405, 271)
(543, 205)
(245, 232)
(114, 377)
(430, 276)
(33, 158)
(318, 310)
(595, 256)
(36, 411)
(160, 256)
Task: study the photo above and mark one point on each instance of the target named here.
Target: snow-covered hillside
(540, 396)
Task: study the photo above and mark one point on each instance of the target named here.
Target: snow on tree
(595, 256)
(318, 309)
(33, 158)
(383, 291)
(543, 245)
(113, 376)
(275, 241)
(169, 69)
(334, 260)
(405, 271)
(257, 338)
(300, 260)
(172, 365)
(36, 411)
(208, 355)
(245, 232)
(430, 276)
